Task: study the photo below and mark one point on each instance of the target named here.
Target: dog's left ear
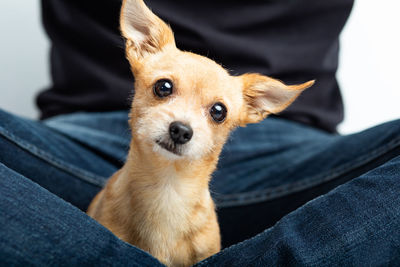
(263, 96)
(146, 33)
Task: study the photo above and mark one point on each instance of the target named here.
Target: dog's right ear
(145, 32)
(264, 95)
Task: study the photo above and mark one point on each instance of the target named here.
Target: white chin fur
(165, 153)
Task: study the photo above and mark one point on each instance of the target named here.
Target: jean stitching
(210, 259)
(371, 220)
(259, 235)
(246, 198)
(62, 165)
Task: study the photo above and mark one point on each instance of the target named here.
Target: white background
(368, 73)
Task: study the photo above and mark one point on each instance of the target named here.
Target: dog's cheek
(152, 125)
(221, 135)
(203, 140)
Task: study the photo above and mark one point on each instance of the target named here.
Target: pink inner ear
(144, 31)
(274, 99)
(135, 21)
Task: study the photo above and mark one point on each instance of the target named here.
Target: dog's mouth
(171, 147)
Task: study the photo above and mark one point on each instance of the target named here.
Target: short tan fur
(159, 201)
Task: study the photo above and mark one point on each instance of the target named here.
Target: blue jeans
(287, 194)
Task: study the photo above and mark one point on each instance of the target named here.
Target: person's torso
(292, 40)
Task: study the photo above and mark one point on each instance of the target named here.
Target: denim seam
(212, 257)
(62, 165)
(259, 235)
(320, 261)
(232, 200)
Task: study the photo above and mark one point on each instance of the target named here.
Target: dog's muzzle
(179, 134)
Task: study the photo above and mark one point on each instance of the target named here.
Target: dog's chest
(170, 219)
(165, 206)
(170, 208)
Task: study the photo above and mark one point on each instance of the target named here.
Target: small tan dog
(184, 108)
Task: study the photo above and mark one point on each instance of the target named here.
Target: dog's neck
(155, 178)
(164, 195)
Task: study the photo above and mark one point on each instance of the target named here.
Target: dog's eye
(163, 88)
(218, 112)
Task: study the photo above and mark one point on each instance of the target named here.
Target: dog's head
(185, 104)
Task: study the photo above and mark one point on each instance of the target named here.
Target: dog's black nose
(180, 133)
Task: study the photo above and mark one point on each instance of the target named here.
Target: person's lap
(355, 224)
(40, 229)
(265, 171)
(271, 169)
(64, 166)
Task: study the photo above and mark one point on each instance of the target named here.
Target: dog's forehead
(194, 74)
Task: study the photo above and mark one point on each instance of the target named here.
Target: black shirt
(292, 40)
